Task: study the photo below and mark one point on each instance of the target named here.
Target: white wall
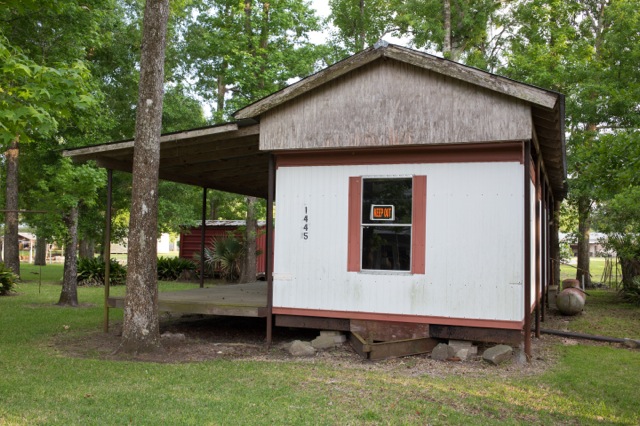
(474, 243)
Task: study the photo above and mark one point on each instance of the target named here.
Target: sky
(322, 9)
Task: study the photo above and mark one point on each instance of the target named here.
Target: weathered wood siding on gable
(389, 103)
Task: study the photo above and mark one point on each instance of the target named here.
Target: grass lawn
(589, 384)
(596, 266)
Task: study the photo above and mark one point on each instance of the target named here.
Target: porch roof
(224, 157)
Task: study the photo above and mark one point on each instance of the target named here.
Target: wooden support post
(538, 244)
(269, 259)
(106, 252)
(527, 249)
(545, 246)
(202, 234)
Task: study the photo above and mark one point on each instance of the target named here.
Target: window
(387, 224)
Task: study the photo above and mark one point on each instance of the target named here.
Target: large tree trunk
(140, 330)
(249, 266)
(69, 293)
(41, 252)
(11, 247)
(584, 224)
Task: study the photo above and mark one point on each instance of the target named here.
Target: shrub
(631, 292)
(91, 272)
(226, 257)
(171, 268)
(7, 280)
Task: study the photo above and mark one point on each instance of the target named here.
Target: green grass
(596, 268)
(41, 385)
(606, 314)
(50, 273)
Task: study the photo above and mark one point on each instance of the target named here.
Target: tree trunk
(248, 26)
(140, 332)
(41, 252)
(630, 269)
(446, 44)
(360, 37)
(69, 293)
(584, 224)
(249, 264)
(221, 91)
(87, 248)
(11, 245)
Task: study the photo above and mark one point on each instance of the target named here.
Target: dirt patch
(239, 339)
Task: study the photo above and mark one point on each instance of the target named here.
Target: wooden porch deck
(239, 300)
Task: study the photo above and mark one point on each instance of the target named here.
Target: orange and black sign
(382, 212)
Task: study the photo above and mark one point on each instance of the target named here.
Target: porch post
(269, 259)
(106, 254)
(538, 244)
(202, 234)
(545, 247)
(527, 249)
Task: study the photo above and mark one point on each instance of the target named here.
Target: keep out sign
(383, 212)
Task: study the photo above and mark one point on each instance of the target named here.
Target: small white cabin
(414, 195)
(411, 189)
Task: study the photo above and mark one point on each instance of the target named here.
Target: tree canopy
(69, 74)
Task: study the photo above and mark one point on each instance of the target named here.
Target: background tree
(587, 50)
(469, 31)
(33, 100)
(73, 187)
(360, 23)
(239, 52)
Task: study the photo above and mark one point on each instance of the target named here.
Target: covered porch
(223, 157)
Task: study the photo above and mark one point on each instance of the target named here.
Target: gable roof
(547, 106)
(525, 92)
(228, 157)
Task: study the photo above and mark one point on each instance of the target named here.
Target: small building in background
(597, 244)
(190, 239)
(166, 245)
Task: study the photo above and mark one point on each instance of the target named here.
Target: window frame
(418, 225)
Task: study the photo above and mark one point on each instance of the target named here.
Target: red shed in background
(190, 238)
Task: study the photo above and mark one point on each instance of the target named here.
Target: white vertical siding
(474, 243)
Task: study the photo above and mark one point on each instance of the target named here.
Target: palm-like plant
(226, 256)
(7, 280)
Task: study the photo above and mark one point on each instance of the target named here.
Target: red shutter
(353, 237)
(419, 225)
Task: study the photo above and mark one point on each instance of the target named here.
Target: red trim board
(353, 236)
(423, 154)
(422, 319)
(419, 225)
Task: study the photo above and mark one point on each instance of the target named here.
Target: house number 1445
(305, 225)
